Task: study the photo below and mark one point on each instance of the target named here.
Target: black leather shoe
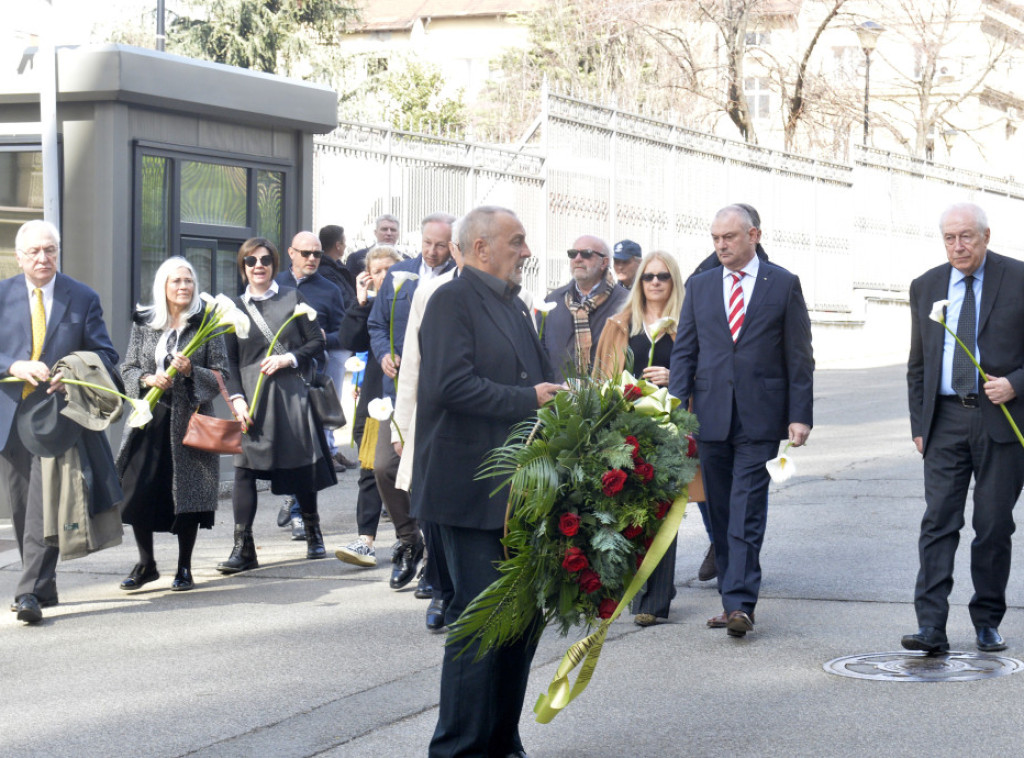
(989, 639)
(141, 574)
(28, 610)
(517, 754)
(435, 614)
(406, 559)
(423, 591)
(928, 639)
(48, 603)
(183, 581)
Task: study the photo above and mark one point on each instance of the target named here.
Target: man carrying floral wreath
(482, 371)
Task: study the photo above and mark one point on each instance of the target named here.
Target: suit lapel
(490, 306)
(937, 290)
(989, 287)
(765, 280)
(61, 296)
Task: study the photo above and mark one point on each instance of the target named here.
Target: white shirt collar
(751, 269)
(249, 297)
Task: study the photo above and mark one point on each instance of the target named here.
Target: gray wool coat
(196, 473)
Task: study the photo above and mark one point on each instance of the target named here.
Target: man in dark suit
(743, 352)
(959, 428)
(385, 231)
(44, 316)
(482, 371)
(433, 260)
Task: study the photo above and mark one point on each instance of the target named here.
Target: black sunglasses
(251, 260)
(661, 276)
(586, 254)
(306, 253)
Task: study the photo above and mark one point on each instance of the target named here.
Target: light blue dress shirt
(955, 295)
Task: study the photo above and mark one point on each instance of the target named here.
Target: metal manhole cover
(907, 666)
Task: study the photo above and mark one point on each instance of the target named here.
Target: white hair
(157, 315)
(975, 211)
(36, 224)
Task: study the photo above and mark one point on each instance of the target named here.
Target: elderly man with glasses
(582, 306)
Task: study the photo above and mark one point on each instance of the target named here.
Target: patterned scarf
(581, 313)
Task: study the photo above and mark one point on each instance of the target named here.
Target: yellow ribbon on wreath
(588, 650)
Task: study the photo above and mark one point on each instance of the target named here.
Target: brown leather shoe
(719, 621)
(738, 623)
(708, 570)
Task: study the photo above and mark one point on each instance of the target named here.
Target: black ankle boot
(243, 554)
(314, 539)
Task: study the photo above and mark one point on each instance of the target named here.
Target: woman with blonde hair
(657, 294)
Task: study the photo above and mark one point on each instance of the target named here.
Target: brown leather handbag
(212, 434)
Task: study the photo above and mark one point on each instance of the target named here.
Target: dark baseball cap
(627, 249)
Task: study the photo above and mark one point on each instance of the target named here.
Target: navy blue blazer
(1001, 315)
(75, 323)
(379, 322)
(769, 370)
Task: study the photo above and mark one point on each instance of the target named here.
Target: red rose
(662, 509)
(569, 524)
(612, 481)
(639, 560)
(647, 543)
(574, 560)
(645, 471)
(607, 608)
(589, 581)
(635, 444)
(691, 446)
(632, 531)
(632, 392)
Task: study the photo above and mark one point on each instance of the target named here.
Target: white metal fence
(855, 234)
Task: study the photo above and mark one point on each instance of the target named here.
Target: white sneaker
(358, 553)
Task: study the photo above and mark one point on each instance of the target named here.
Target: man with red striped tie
(743, 352)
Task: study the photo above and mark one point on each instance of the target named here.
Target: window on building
(21, 197)
(755, 89)
(758, 39)
(202, 207)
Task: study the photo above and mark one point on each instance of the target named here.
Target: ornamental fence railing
(856, 234)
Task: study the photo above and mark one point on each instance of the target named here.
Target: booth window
(21, 198)
(203, 207)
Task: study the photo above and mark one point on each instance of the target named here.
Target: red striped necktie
(736, 305)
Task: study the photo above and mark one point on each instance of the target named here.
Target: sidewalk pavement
(303, 658)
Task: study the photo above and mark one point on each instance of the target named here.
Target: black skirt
(148, 479)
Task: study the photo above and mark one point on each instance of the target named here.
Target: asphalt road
(304, 658)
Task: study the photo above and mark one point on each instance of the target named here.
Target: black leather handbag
(323, 396)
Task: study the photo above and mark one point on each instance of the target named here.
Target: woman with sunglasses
(283, 440)
(169, 487)
(657, 293)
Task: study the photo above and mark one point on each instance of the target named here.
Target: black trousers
(21, 483)
(481, 701)
(958, 447)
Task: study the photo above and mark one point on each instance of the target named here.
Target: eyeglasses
(50, 251)
(306, 253)
(264, 260)
(661, 276)
(585, 254)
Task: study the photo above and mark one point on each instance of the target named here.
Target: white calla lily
(543, 306)
(141, 413)
(782, 468)
(381, 409)
(355, 364)
(939, 311)
(660, 326)
(240, 321)
(305, 309)
(401, 277)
